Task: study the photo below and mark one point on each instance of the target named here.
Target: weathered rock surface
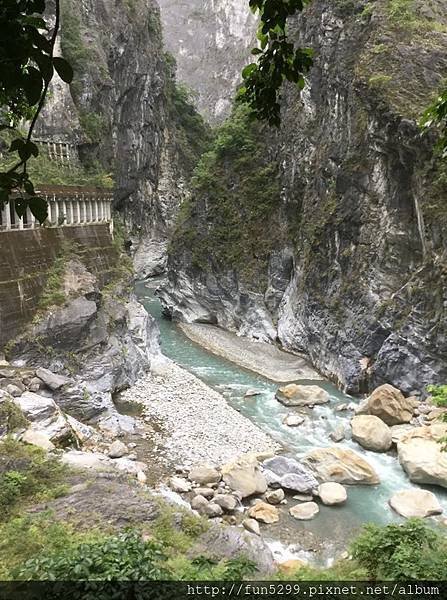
(180, 485)
(229, 542)
(371, 433)
(332, 493)
(356, 173)
(263, 512)
(415, 503)
(226, 501)
(117, 449)
(275, 496)
(100, 462)
(341, 466)
(301, 395)
(304, 511)
(421, 455)
(390, 405)
(204, 475)
(36, 438)
(252, 525)
(287, 472)
(244, 476)
(293, 420)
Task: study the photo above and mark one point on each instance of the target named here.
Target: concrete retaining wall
(26, 258)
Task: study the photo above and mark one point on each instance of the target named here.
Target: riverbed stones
(415, 503)
(244, 476)
(293, 420)
(206, 492)
(340, 465)
(263, 512)
(371, 433)
(213, 510)
(305, 511)
(204, 475)
(181, 486)
(252, 525)
(226, 501)
(199, 503)
(275, 496)
(301, 395)
(338, 434)
(332, 493)
(389, 404)
(288, 473)
(421, 454)
(117, 449)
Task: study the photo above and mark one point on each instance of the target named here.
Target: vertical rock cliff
(210, 40)
(356, 269)
(126, 116)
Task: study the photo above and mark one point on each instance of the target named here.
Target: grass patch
(11, 417)
(27, 475)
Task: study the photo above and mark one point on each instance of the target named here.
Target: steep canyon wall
(356, 269)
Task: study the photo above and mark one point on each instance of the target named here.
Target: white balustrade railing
(66, 207)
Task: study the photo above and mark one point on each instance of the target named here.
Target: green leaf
(248, 70)
(33, 85)
(63, 69)
(39, 208)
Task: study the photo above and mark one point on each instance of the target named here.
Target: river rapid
(336, 525)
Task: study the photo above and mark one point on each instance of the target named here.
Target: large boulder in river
(340, 465)
(332, 493)
(288, 473)
(301, 395)
(415, 503)
(421, 454)
(304, 511)
(263, 512)
(389, 404)
(371, 433)
(244, 476)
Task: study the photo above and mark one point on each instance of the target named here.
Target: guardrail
(67, 206)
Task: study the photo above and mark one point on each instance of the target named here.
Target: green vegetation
(402, 552)
(27, 65)
(11, 417)
(231, 218)
(53, 294)
(45, 171)
(191, 134)
(72, 43)
(27, 475)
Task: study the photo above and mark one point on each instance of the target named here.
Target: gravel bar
(199, 425)
(262, 358)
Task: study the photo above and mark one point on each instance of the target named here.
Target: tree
(27, 65)
(278, 59)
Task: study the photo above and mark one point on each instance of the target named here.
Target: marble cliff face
(357, 277)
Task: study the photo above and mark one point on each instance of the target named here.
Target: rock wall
(357, 271)
(122, 112)
(211, 42)
(27, 258)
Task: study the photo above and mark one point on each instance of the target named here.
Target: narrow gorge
(224, 352)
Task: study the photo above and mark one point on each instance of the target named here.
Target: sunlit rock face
(211, 41)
